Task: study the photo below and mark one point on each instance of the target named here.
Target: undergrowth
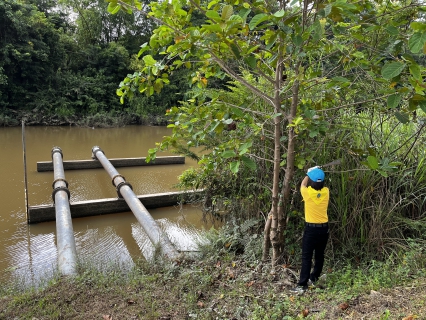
(226, 281)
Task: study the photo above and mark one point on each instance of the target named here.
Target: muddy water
(28, 252)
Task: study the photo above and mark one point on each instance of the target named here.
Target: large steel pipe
(124, 190)
(67, 254)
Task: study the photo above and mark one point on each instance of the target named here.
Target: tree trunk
(274, 232)
(266, 239)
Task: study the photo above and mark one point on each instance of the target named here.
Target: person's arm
(304, 182)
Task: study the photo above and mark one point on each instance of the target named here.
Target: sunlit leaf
(227, 12)
(257, 19)
(234, 166)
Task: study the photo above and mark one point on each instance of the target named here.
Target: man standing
(315, 235)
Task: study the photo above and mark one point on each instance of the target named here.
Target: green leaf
(327, 10)
(238, 112)
(257, 19)
(228, 154)
(422, 105)
(144, 47)
(417, 41)
(279, 14)
(298, 40)
(235, 51)
(392, 70)
(234, 166)
(227, 12)
(251, 61)
(149, 60)
(402, 117)
(372, 162)
(394, 100)
(214, 15)
(415, 71)
(340, 79)
(393, 31)
(418, 26)
(249, 163)
(113, 7)
(244, 148)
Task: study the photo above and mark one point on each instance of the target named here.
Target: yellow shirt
(316, 204)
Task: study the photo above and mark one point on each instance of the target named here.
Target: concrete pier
(43, 166)
(79, 209)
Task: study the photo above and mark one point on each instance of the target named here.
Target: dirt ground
(407, 303)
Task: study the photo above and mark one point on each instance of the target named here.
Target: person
(316, 232)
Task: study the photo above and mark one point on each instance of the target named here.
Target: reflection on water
(28, 252)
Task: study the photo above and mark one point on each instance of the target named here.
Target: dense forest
(62, 61)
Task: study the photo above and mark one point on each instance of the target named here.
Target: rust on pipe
(67, 254)
(124, 190)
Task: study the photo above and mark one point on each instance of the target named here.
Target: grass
(222, 284)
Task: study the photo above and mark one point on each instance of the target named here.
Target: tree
(307, 61)
(30, 53)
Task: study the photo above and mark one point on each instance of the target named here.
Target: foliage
(61, 61)
(309, 64)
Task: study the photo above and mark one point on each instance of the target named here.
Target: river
(28, 252)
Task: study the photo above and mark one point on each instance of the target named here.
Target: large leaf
(417, 42)
(228, 154)
(227, 12)
(394, 100)
(251, 164)
(402, 117)
(211, 14)
(149, 60)
(372, 162)
(392, 70)
(234, 166)
(257, 19)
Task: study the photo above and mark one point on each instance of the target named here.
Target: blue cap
(316, 175)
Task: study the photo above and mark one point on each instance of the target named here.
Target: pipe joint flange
(117, 176)
(60, 189)
(95, 150)
(57, 150)
(57, 180)
(121, 184)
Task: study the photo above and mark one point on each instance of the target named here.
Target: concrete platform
(43, 213)
(43, 166)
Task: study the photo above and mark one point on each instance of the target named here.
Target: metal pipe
(67, 254)
(124, 190)
(25, 170)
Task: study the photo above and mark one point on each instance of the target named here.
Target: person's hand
(310, 169)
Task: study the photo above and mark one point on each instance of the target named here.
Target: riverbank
(209, 290)
(222, 285)
(11, 118)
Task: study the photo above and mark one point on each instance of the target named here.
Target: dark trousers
(314, 240)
